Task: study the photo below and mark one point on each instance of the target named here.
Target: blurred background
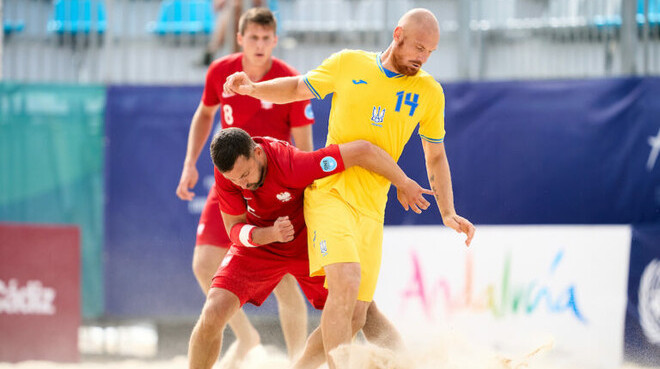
(143, 41)
(553, 127)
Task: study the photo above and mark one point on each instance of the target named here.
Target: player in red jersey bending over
(260, 183)
(257, 36)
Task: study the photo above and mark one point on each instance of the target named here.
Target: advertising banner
(514, 289)
(523, 152)
(39, 292)
(51, 167)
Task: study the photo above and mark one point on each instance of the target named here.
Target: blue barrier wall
(149, 232)
(549, 152)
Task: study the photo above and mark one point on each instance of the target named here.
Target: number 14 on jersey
(410, 100)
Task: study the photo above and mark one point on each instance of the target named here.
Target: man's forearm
(382, 163)
(260, 235)
(372, 158)
(263, 236)
(440, 181)
(280, 90)
(200, 129)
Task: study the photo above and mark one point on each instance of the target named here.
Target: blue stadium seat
(75, 16)
(13, 27)
(184, 17)
(654, 12)
(615, 21)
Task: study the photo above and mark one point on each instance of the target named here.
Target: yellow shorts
(338, 233)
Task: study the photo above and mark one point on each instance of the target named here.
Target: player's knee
(358, 320)
(217, 309)
(203, 270)
(373, 314)
(359, 315)
(211, 314)
(344, 280)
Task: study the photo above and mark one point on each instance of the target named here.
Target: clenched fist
(283, 230)
(238, 83)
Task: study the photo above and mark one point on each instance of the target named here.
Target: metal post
(386, 32)
(105, 62)
(464, 39)
(628, 37)
(645, 37)
(480, 44)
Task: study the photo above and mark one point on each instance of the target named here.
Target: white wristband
(244, 235)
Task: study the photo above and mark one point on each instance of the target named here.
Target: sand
(358, 356)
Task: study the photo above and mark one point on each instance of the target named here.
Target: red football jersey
(288, 172)
(256, 117)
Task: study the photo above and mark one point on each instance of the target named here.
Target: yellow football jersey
(374, 104)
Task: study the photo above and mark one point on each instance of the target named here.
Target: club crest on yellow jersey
(378, 116)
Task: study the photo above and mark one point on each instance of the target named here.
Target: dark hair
(261, 16)
(227, 145)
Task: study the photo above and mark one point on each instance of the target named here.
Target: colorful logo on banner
(649, 301)
(501, 299)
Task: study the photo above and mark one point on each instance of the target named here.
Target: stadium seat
(653, 11)
(615, 20)
(178, 17)
(75, 16)
(13, 27)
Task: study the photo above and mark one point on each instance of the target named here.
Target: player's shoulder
(353, 54)
(273, 146)
(350, 60)
(226, 64)
(279, 153)
(282, 68)
(429, 83)
(221, 183)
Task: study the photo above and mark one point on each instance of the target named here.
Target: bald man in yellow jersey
(378, 97)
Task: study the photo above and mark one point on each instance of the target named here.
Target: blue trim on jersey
(432, 140)
(388, 73)
(309, 85)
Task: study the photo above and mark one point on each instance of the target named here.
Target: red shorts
(251, 273)
(211, 229)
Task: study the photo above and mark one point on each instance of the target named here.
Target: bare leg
(293, 315)
(206, 337)
(314, 354)
(380, 331)
(206, 260)
(343, 314)
(343, 281)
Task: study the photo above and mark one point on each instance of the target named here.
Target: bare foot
(238, 350)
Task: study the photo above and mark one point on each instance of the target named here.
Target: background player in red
(257, 36)
(260, 183)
